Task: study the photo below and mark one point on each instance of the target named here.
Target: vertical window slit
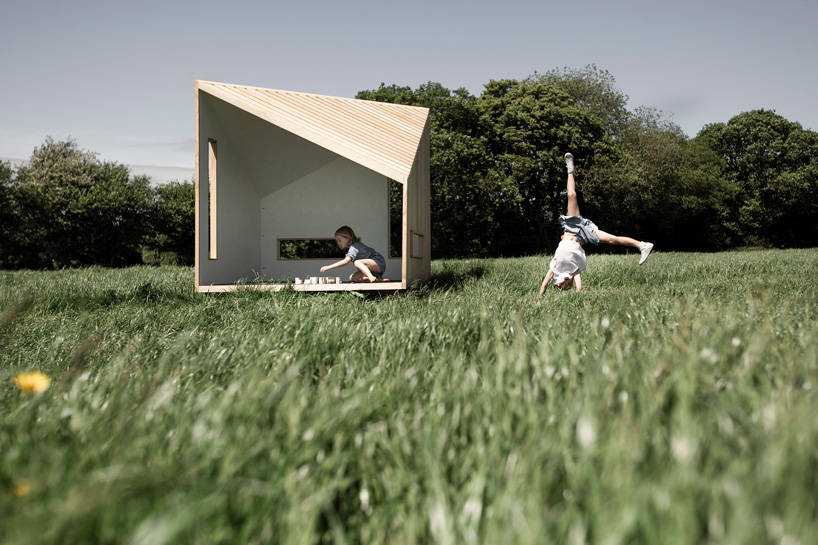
(212, 192)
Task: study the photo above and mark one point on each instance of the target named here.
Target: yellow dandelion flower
(20, 489)
(32, 383)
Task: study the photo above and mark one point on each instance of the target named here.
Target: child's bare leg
(365, 268)
(608, 238)
(645, 248)
(571, 187)
(573, 205)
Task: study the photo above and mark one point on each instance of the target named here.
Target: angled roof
(380, 136)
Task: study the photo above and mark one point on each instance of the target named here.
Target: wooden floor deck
(346, 286)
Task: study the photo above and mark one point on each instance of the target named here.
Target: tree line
(498, 176)
(497, 180)
(66, 208)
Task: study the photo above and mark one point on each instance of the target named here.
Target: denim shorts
(378, 258)
(585, 230)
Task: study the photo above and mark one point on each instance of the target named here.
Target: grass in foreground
(669, 403)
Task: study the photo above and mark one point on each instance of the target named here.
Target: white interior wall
(239, 233)
(340, 193)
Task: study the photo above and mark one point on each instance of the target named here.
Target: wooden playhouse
(277, 167)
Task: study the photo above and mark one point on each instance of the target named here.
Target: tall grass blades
(669, 403)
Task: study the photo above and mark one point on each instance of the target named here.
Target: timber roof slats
(290, 110)
(375, 134)
(346, 128)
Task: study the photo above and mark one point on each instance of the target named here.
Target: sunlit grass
(669, 403)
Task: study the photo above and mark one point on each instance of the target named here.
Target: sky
(118, 76)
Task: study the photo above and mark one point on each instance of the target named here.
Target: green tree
(173, 225)
(466, 192)
(774, 163)
(464, 181)
(43, 193)
(110, 218)
(75, 210)
(665, 189)
(661, 187)
(530, 125)
(596, 91)
(498, 175)
(10, 237)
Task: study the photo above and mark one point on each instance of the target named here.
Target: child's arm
(548, 277)
(335, 265)
(578, 281)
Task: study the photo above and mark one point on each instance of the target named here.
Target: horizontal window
(309, 248)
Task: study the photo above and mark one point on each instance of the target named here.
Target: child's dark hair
(347, 232)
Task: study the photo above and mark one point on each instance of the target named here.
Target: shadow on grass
(451, 279)
(146, 293)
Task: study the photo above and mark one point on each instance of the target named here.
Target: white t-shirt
(568, 260)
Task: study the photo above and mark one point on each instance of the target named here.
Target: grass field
(675, 402)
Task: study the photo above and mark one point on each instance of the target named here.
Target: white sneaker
(569, 163)
(645, 249)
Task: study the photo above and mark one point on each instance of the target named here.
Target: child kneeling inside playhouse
(370, 264)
